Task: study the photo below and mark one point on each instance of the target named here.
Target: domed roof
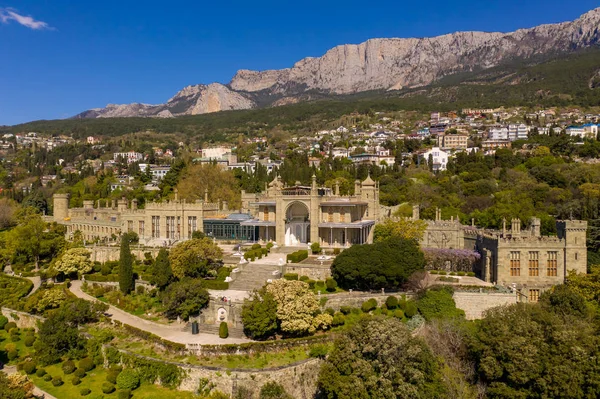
(368, 181)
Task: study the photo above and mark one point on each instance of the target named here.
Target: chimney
(206, 195)
(225, 206)
(415, 214)
(337, 188)
(134, 204)
(515, 229)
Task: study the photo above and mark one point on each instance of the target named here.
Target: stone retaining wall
(105, 253)
(476, 303)
(315, 272)
(356, 299)
(22, 319)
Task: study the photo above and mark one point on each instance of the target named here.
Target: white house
(439, 158)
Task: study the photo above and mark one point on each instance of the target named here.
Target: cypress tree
(126, 283)
(161, 274)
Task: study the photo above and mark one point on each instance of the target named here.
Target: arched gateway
(297, 224)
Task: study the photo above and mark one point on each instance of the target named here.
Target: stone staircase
(253, 276)
(234, 332)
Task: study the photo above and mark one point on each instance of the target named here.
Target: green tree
(74, 261)
(404, 228)
(384, 264)
(259, 315)
(194, 258)
(160, 271)
(273, 390)
(437, 303)
(379, 358)
(126, 281)
(28, 236)
(184, 298)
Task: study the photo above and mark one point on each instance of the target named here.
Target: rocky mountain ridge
(377, 64)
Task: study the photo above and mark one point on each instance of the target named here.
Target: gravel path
(170, 332)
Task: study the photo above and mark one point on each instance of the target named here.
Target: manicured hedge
(215, 285)
(223, 330)
(298, 256)
(102, 278)
(291, 276)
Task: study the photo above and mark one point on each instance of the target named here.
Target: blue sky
(69, 56)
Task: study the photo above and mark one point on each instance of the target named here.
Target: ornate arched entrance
(297, 224)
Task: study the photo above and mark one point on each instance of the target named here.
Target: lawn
(94, 380)
(22, 350)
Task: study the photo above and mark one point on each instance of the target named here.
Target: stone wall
(105, 253)
(23, 320)
(356, 299)
(315, 272)
(476, 303)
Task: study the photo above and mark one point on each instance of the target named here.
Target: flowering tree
(74, 260)
(452, 260)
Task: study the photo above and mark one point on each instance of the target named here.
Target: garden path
(37, 282)
(172, 332)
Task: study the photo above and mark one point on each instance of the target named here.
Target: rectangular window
(171, 227)
(178, 236)
(515, 263)
(342, 215)
(534, 295)
(266, 214)
(130, 225)
(534, 263)
(552, 269)
(155, 226)
(141, 228)
(330, 215)
(191, 225)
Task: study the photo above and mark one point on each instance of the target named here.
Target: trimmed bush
(79, 373)
(9, 326)
(68, 367)
(223, 330)
(346, 310)
(460, 273)
(75, 380)
(471, 274)
(40, 372)
(47, 377)
(399, 314)
(29, 367)
(311, 284)
(331, 284)
(29, 340)
(297, 257)
(112, 375)
(369, 305)
(391, 302)
(128, 379)
(86, 364)
(291, 276)
(338, 320)
(85, 391)
(315, 248)
(12, 355)
(442, 273)
(269, 246)
(124, 394)
(411, 309)
(337, 251)
(57, 381)
(3, 321)
(319, 351)
(433, 272)
(304, 278)
(330, 311)
(107, 387)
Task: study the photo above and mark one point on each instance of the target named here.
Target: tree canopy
(259, 315)
(74, 261)
(184, 298)
(195, 257)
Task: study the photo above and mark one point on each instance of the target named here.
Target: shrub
(269, 246)
(9, 326)
(255, 246)
(338, 320)
(297, 257)
(391, 302)
(346, 310)
(399, 314)
(442, 273)
(369, 305)
(291, 276)
(47, 377)
(85, 391)
(330, 311)
(124, 394)
(79, 373)
(452, 273)
(337, 251)
(331, 284)
(112, 375)
(3, 321)
(12, 355)
(68, 366)
(304, 278)
(75, 380)
(223, 330)
(29, 367)
(57, 381)
(215, 285)
(86, 364)
(128, 379)
(471, 274)
(448, 279)
(411, 309)
(319, 351)
(315, 248)
(460, 273)
(433, 272)
(311, 284)
(15, 337)
(29, 340)
(320, 284)
(40, 373)
(438, 303)
(107, 387)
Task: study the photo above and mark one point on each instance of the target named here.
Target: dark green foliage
(369, 305)
(12, 355)
(9, 326)
(198, 235)
(84, 391)
(151, 371)
(68, 367)
(410, 309)
(565, 301)
(399, 314)
(124, 394)
(111, 376)
(384, 264)
(315, 248)
(304, 278)
(393, 364)
(29, 367)
(346, 310)
(331, 284)
(47, 377)
(338, 320)
(57, 381)
(86, 364)
(184, 298)
(160, 272)
(79, 373)
(259, 315)
(330, 311)
(3, 321)
(215, 285)
(223, 330)
(126, 282)
(437, 303)
(107, 387)
(128, 379)
(40, 372)
(273, 390)
(319, 351)
(291, 276)
(29, 340)
(75, 380)
(298, 256)
(391, 302)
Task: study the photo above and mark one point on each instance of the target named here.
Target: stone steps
(234, 332)
(253, 276)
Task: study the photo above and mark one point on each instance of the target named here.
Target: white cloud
(10, 14)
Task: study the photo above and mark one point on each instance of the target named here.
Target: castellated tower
(61, 207)
(573, 232)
